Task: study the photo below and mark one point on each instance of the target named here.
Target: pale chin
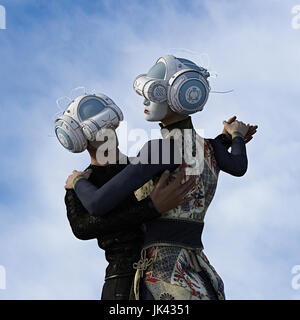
(157, 111)
(150, 118)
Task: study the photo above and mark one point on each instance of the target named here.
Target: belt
(174, 232)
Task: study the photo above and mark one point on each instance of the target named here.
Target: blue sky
(50, 47)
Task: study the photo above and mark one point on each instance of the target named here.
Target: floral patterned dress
(167, 271)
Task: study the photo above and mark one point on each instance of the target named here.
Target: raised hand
(251, 132)
(232, 119)
(248, 136)
(236, 128)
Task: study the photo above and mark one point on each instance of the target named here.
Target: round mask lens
(64, 139)
(90, 108)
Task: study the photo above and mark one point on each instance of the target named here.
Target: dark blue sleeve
(234, 163)
(155, 157)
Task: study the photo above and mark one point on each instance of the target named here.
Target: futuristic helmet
(84, 117)
(179, 82)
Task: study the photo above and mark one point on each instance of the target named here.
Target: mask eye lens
(158, 71)
(90, 108)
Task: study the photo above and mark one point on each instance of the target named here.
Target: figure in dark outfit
(118, 233)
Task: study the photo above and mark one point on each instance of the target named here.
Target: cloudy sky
(50, 47)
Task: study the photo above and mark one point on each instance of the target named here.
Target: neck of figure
(94, 160)
(172, 117)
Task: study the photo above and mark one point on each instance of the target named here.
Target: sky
(251, 233)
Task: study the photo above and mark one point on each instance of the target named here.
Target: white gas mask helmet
(83, 120)
(174, 82)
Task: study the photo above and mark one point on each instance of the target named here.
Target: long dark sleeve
(234, 163)
(86, 226)
(100, 201)
(225, 140)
